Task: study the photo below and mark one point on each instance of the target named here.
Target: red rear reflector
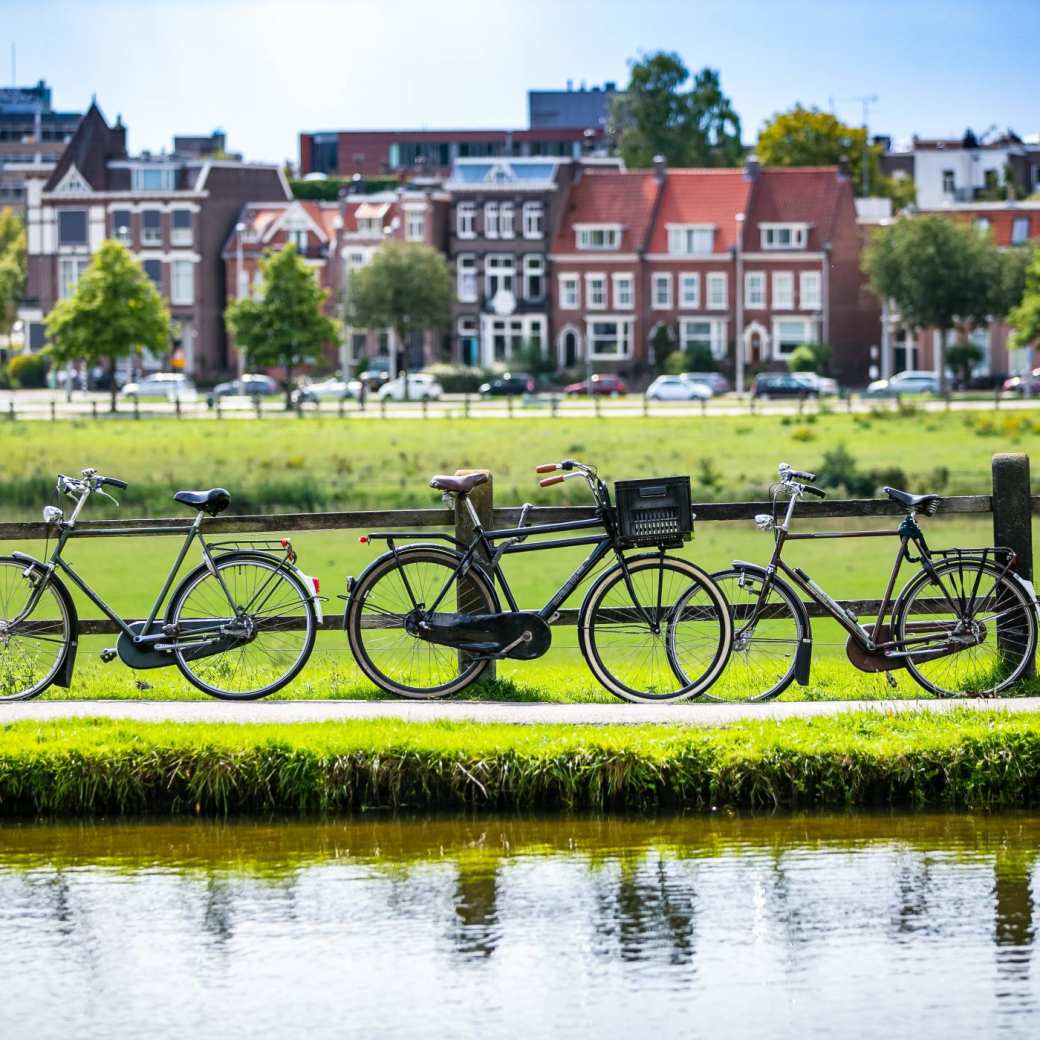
(317, 585)
(363, 539)
(285, 543)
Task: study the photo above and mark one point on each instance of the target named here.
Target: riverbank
(94, 766)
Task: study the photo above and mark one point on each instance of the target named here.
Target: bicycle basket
(654, 512)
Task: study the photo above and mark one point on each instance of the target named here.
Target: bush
(810, 357)
(699, 359)
(28, 371)
(662, 345)
(840, 470)
(674, 363)
(460, 379)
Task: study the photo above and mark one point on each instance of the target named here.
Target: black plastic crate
(655, 511)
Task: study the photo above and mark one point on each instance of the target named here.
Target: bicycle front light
(763, 521)
(52, 515)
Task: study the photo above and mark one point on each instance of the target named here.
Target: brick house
(173, 214)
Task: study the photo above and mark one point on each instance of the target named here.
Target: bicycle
(424, 620)
(965, 623)
(239, 626)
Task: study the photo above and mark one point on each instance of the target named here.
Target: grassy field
(97, 766)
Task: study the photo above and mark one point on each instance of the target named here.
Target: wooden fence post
(1012, 513)
(482, 498)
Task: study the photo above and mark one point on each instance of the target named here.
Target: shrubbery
(840, 470)
(460, 379)
(28, 371)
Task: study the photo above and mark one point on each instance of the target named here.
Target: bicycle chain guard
(519, 635)
(867, 661)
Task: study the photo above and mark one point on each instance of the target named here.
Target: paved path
(478, 711)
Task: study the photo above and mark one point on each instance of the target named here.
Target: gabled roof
(263, 221)
(625, 198)
(698, 196)
(92, 145)
(796, 195)
(381, 207)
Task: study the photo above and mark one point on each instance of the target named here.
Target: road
(695, 714)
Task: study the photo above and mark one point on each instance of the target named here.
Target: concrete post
(1012, 513)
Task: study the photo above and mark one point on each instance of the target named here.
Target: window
(534, 276)
(809, 290)
(755, 289)
(982, 224)
(258, 284)
(623, 292)
(534, 217)
(690, 239)
(610, 339)
(153, 268)
(508, 337)
(491, 220)
(1019, 230)
(242, 284)
(499, 271)
(783, 291)
(949, 183)
(661, 291)
(72, 227)
(182, 282)
(298, 237)
(597, 236)
(70, 270)
(180, 230)
(784, 236)
(568, 292)
(789, 333)
(698, 332)
(690, 290)
(466, 277)
(469, 345)
(596, 292)
(370, 227)
(415, 226)
(151, 227)
(506, 213)
(466, 220)
(717, 291)
(143, 178)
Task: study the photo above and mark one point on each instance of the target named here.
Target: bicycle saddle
(214, 501)
(458, 485)
(927, 504)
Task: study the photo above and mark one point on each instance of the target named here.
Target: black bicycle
(239, 626)
(424, 620)
(965, 623)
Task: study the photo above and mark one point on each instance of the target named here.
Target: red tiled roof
(698, 196)
(795, 195)
(350, 213)
(610, 197)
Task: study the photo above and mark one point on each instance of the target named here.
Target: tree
(809, 137)
(408, 288)
(662, 345)
(287, 326)
(115, 311)
(699, 358)
(962, 358)
(939, 274)
(12, 267)
(810, 357)
(1025, 318)
(663, 113)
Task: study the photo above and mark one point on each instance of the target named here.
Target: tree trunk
(288, 387)
(943, 332)
(403, 370)
(112, 384)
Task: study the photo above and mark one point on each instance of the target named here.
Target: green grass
(104, 766)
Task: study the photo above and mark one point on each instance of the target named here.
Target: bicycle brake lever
(98, 491)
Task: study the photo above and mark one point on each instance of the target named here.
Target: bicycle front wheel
(980, 611)
(639, 645)
(244, 631)
(33, 644)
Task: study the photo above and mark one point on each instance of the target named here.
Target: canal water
(716, 927)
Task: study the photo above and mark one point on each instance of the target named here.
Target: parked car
(676, 388)
(173, 386)
(333, 389)
(509, 385)
(250, 385)
(421, 387)
(376, 373)
(904, 383)
(824, 385)
(716, 380)
(606, 384)
(1017, 384)
(781, 384)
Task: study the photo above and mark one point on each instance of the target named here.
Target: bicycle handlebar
(811, 489)
(786, 473)
(115, 482)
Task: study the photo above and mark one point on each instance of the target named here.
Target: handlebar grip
(546, 481)
(802, 474)
(115, 482)
(548, 467)
(811, 489)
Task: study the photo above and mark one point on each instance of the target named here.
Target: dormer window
(370, 227)
(691, 239)
(597, 236)
(784, 236)
(147, 178)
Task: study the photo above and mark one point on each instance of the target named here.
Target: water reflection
(791, 926)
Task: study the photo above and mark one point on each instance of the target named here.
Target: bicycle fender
(63, 677)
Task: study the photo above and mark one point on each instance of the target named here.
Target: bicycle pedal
(891, 680)
(109, 654)
(142, 685)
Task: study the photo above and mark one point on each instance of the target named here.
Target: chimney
(660, 167)
(118, 137)
(844, 170)
(751, 167)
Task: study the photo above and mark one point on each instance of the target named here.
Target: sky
(264, 70)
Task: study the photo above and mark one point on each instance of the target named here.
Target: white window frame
(622, 333)
(982, 224)
(534, 267)
(182, 283)
(467, 286)
(534, 220)
(596, 291)
(70, 271)
(689, 290)
(570, 291)
(506, 220)
(182, 236)
(717, 290)
(783, 291)
(148, 239)
(466, 220)
(810, 285)
(499, 266)
(772, 234)
(658, 301)
(597, 237)
(298, 236)
(1016, 223)
(491, 220)
(808, 335)
(415, 225)
(755, 290)
(624, 288)
(691, 239)
(716, 338)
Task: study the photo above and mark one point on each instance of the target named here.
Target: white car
(823, 385)
(173, 386)
(675, 388)
(908, 382)
(333, 389)
(421, 387)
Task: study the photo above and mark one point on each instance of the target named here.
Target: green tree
(699, 358)
(962, 357)
(287, 326)
(1025, 318)
(810, 357)
(662, 345)
(663, 112)
(116, 310)
(408, 288)
(12, 266)
(939, 274)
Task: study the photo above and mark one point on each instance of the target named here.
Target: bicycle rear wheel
(636, 642)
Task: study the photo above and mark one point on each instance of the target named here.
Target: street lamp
(240, 287)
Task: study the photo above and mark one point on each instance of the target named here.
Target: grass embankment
(95, 766)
